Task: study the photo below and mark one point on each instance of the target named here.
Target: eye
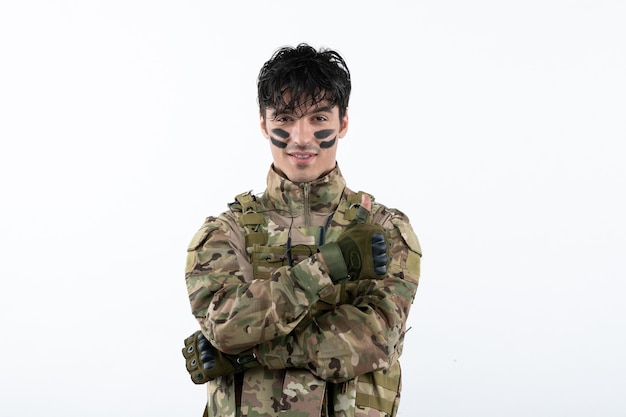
(282, 119)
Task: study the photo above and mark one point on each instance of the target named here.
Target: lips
(301, 158)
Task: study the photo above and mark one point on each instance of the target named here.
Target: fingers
(379, 253)
(366, 202)
(363, 211)
(207, 355)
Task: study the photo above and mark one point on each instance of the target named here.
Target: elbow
(350, 362)
(228, 338)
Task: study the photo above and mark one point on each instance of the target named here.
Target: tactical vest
(271, 246)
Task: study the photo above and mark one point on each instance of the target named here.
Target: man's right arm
(235, 311)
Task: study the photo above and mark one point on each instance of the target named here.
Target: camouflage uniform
(326, 350)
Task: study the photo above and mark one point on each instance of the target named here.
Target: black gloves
(205, 363)
(360, 252)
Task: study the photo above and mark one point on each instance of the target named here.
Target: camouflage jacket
(325, 350)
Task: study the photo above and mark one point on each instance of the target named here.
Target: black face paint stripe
(280, 133)
(323, 134)
(277, 143)
(328, 143)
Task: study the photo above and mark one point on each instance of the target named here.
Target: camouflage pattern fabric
(324, 348)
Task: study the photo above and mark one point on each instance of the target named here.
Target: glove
(205, 363)
(360, 252)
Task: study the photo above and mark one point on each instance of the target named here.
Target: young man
(302, 293)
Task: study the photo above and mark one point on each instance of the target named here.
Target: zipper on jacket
(306, 188)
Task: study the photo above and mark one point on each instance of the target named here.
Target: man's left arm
(364, 334)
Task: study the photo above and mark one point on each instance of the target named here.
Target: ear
(344, 125)
(263, 126)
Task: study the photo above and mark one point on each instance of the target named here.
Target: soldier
(302, 292)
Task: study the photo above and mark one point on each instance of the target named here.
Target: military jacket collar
(319, 196)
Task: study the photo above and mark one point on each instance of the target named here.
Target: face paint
(323, 134)
(283, 134)
(328, 144)
(320, 134)
(280, 133)
(277, 143)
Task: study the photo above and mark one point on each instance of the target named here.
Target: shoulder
(397, 220)
(387, 215)
(226, 224)
(381, 214)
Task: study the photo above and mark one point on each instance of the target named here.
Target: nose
(301, 133)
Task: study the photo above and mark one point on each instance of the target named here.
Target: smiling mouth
(301, 156)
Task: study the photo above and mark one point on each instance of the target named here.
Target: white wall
(498, 127)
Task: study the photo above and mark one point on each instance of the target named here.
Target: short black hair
(307, 75)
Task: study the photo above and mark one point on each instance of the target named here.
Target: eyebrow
(322, 109)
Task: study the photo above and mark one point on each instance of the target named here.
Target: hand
(205, 363)
(360, 252)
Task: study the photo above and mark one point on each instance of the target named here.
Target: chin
(299, 177)
(299, 180)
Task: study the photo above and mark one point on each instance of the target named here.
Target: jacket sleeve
(364, 334)
(236, 312)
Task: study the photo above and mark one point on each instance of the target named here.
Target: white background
(498, 127)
